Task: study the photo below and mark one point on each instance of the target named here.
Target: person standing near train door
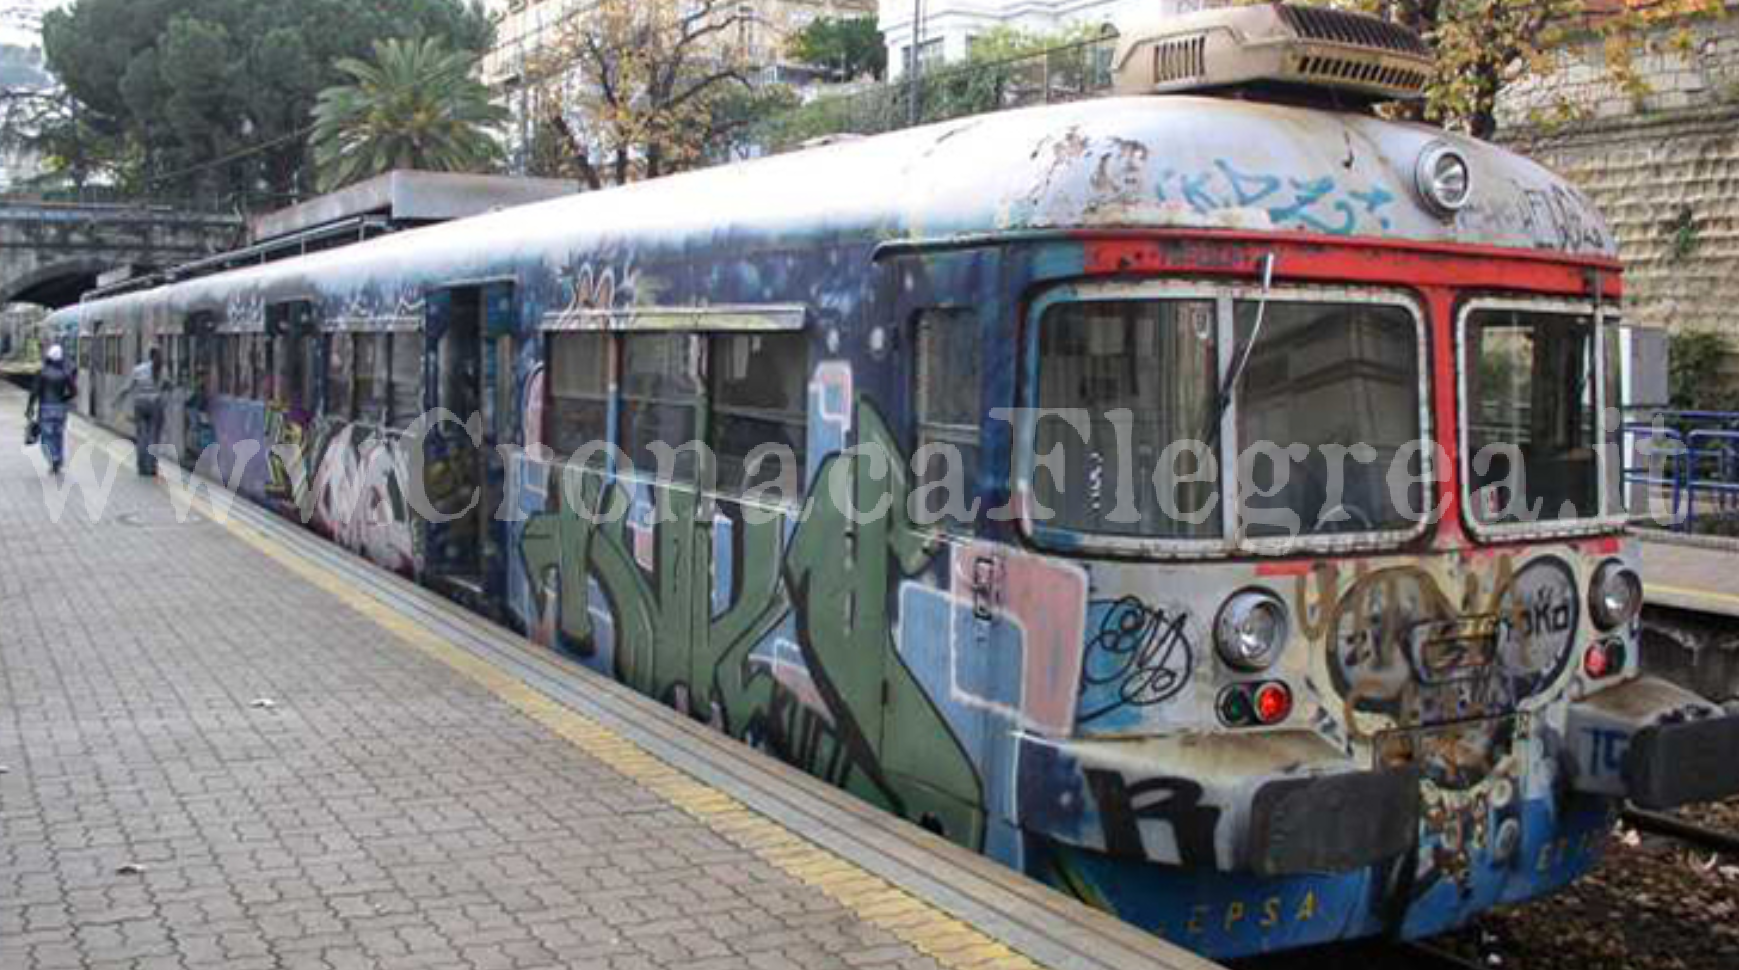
(56, 386)
(147, 411)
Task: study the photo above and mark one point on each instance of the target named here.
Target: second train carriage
(1247, 711)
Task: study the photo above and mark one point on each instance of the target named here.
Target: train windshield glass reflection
(1342, 380)
(1532, 409)
(1119, 382)
(1328, 410)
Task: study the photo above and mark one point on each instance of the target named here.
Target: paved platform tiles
(1695, 574)
(227, 745)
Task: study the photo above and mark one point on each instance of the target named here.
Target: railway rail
(1679, 829)
(1427, 956)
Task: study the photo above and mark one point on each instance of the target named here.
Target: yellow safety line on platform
(1694, 594)
(950, 942)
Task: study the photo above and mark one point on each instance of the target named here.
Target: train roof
(1124, 162)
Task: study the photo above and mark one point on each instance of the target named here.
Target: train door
(203, 361)
(954, 601)
(87, 371)
(295, 359)
(174, 397)
(469, 372)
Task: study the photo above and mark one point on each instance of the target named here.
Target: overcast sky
(21, 20)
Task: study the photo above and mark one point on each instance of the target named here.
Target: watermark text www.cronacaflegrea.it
(1075, 470)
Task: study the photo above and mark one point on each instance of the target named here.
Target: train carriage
(1250, 561)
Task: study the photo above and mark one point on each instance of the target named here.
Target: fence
(100, 196)
(1067, 73)
(1682, 468)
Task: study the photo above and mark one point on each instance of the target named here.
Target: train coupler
(1654, 743)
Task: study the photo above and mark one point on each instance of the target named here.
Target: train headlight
(1445, 181)
(1251, 632)
(1616, 596)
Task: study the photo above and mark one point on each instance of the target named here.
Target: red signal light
(1273, 703)
(1604, 659)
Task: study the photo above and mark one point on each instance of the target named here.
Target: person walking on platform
(147, 412)
(50, 397)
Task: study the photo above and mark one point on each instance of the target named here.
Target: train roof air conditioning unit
(1276, 47)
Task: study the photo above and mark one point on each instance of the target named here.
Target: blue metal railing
(1689, 459)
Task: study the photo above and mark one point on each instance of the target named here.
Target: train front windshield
(1532, 413)
(1329, 405)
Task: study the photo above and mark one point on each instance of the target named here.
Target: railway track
(1690, 833)
(1425, 956)
(1373, 954)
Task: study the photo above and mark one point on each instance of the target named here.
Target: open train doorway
(469, 371)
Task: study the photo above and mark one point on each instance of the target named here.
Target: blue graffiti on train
(1322, 204)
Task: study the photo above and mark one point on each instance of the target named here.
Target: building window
(929, 56)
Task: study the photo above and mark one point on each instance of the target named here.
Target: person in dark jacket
(144, 386)
(52, 395)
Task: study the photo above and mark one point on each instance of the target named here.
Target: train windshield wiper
(1229, 387)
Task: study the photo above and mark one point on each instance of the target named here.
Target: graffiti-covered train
(1250, 563)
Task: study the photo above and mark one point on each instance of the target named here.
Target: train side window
(226, 364)
(407, 377)
(237, 361)
(949, 416)
(266, 368)
(262, 376)
(579, 392)
(338, 375)
(245, 366)
(760, 400)
(661, 400)
(371, 377)
(184, 360)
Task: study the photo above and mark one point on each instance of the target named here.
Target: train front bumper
(1279, 804)
(1654, 743)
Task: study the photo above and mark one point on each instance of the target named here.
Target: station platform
(1693, 573)
(227, 744)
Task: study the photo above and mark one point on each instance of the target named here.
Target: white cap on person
(55, 353)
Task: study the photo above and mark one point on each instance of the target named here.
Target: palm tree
(416, 106)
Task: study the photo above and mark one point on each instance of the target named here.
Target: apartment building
(943, 31)
(525, 26)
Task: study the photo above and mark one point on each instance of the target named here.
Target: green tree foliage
(1005, 68)
(642, 88)
(168, 97)
(850, 47)
(415, 106)
(1484, 46)
(1696, 371)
